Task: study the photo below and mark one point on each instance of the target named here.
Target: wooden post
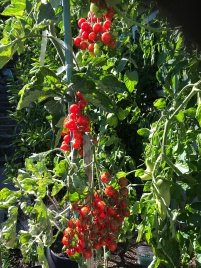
(88, 162)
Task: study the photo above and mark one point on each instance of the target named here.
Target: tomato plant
(124, 120)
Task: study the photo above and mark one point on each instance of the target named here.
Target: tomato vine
(131, 109)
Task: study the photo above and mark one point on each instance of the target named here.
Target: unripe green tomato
(147, 176)
(112, 120)
(97, 52)
(96, 46)
(99, 12)
(149, 165)
(94, 8)
(162, 209)
(163, 187)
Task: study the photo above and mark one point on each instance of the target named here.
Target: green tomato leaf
(160, 103)
(172, 249)
(122, 64)
(111, 84)
(46, 12)
(144, 132)
(121, 174)
(24, 237)
(100, 100)
(15, 9)
(183, 167)
(74, 197)
(191, 112)
(61, 168)
(139, 172)
(41, 255)
(131, 80)
(180, 116)
(56, 109)
(122, 114)
(6, 52)
(56, 188)
(8, 233)
(136, 115)
(198, 114)
(31, 96)
(8, 197)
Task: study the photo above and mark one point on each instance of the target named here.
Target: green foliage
(40, 202)
(144, 101)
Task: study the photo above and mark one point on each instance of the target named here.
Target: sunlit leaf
(143, 132)
(160, 103)
(16, 8)
(131, 80)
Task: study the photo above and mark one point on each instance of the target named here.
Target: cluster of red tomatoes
(75, 125)
(99, 220)
(95, 30)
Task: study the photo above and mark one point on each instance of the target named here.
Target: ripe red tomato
(75, 206)
(110, 191)
(126, 213)
(91, 47)
(72, 223)
(97, 196)
(80, 21)
(101, 205)
(77, 143)
(66, 138)
(82, 104)
(68, 232)
(105, 177)
(94, 18)
(87, 253)
(97, 246)
(84, 211)
(106, 25)
(123, 203)
(71, 125)
(77, 41)
(106, 38)
(85, 34)
(85, 26)
(83, 45)
(83, 123)
(111, 211)
(97, 27)
(110, 13)
(65, 241)
(92, 36)
(70, 252)
(65, 147)
(82, 243)
(74, 108)
(114, 226)
(112, 246)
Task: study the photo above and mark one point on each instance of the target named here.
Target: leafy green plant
(144, 108)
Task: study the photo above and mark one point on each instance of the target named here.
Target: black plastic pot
(144, 255)
(56, 261)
